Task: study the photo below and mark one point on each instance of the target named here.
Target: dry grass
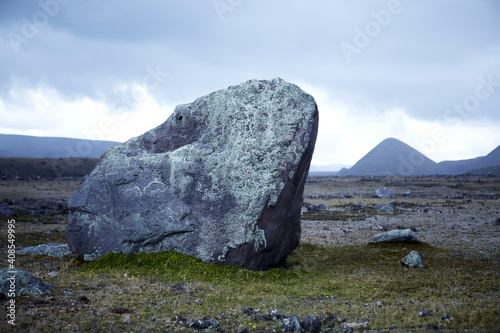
(344, 280)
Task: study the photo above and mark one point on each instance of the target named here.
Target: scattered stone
(51, 206)
(222, 179)
(395, 236)
(378, 303)
(204, 324)
(424, 313)
(312, 324)
(413, 259)
(382, 227)
(274, 313)
(24, 282)
(127, 320)
(292, 324)
(248, 311)
(6, 211)
(355, 325)
(198, 301)
(383, 192)
(447, 317)
(381, 207)
(51, 249)
(179, 320)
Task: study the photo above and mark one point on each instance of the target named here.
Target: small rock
(378, 303)
(25, 283)
(200, 324)
(127, 320)
(424, 313)
(198, 301)
(383, 192)
(381, 207)
(274, 312)
(179, 320)
(292, 324)
(312, 324)
(213, 323)
(447, 317)
(6, 211)
(413, 259)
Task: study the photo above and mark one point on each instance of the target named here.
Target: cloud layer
(378, 69)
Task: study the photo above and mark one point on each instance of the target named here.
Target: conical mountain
(393, 157)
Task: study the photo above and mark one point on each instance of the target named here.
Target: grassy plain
(334, 272)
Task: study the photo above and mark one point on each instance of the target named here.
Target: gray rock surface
(50, 249)
(24, 282)
(413, 259)
(396, 236)
(6, 211)
(382, 207)
(222, 179)
(383, 192)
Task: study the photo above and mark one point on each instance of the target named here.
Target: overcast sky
(425, 72)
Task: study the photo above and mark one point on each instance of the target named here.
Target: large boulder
(221, 179)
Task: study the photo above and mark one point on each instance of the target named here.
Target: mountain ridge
(394, 157)
(26, 146)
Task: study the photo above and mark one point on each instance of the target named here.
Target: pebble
(424, 313)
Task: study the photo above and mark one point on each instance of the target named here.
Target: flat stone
(50, 249)
(222, 179)
(396, 236)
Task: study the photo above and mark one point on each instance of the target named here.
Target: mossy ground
(345, 281)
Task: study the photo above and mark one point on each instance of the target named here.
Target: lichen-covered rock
(21, 282)
(50, 249)
(383, 192)
(222, 179)
(396, 236)
(413, 259)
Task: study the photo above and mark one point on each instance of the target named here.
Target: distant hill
(393, 157)
(473, 165)
(46, 168)
(50, 147)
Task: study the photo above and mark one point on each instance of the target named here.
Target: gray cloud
(424, 58)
